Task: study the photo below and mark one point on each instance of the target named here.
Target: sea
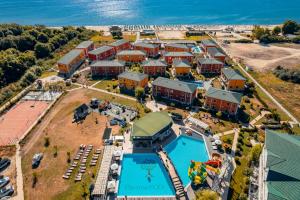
(148, 12)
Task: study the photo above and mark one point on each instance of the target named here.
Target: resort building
(102, 53)
(86, 46)
(70, 62)
(222, 100)
(121, 45)
(279, 172)
(128, 81)
(154, 127)
(107, 68)
(207, 44)
(194, 33)
(154, 67)
(213, 52)
(147, 33)
(232, 80)
(151, 50)
(209, 66)
(174, 47)
(174, 90)
(131, 56)
(181, 68)
(170, 56)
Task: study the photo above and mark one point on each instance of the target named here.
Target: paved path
(258, 84)
(19, 177)
(180, 193)
(259, 117)
(111, 93)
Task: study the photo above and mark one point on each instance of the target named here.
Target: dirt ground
(66, 136)
(173, 35)
(265, 57)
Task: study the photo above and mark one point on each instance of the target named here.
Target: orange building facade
(131, 56)
(70, 62)
(128, 81)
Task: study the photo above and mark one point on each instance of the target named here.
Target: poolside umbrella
(111, 184)
(216, 137)
(117, 153)
(218, 142)
(114, 166)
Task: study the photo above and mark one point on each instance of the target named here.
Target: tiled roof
(131, 52)
(283, 161)
(182, 46)
(136, 76)
(69, 57)
(179, 54)
(85, 44)
(145, 45)
(180, 63)
(175, 85)
(108, 63)
(118, 42)
(100, 50)
(208, 43)
(232, 74)
(210, 61)
(224, 95)
(157, 63)
(213, 51)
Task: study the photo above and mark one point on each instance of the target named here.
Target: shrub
(147, 110)
(237, 161)
(68, 157)
(46, 141)
(34, 179)
(55, 151)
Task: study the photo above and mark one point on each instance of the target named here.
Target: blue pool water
(144, 175)
(184, 149)
(107, 12)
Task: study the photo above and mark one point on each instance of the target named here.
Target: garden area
(108, 85)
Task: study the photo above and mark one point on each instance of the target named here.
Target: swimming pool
(184, 149)
(143, 174)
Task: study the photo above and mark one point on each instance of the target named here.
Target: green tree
(206, 195)
(259, 31)
(139, 92)
(255, 153)
(290, 27)
(42, 37)
(26, 42)
(42, 50)
(276, 30)
(219, 114)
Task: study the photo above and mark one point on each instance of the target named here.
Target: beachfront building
(107, 68)
(279, 172)
(131, 56)
(129, 81)
(232, 80)
(174, 90)
(151, 50)
(153, 127)
(147, 33)
(213, 52)
(154, 67)
(171, 56)
(86, 46)
(174, 47)
(207, 44)
(181, 68)
(102, 53)
(194, 33)
(121, 45)
(222, 100)
(209, 66)
(70, 62)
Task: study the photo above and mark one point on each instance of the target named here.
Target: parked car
(94, 103)
(108, 141)
(176, 116)
(4, 181)
(7, 191)
(4, 163)
(113, 122)
(122, 123)
(36, 160)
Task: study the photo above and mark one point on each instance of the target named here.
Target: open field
(19, 119)
(66, 137)
(130, 36)
(171, 35)
(197, 38)
(109, 85)
(265, 57)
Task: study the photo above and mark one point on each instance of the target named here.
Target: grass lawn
(252, 108)
(109, 85)
(46, 74)
(101, 39)
(227, 138)
(148, 36)
(129, 37)
(198, 38)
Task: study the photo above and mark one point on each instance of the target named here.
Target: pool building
(153, 127)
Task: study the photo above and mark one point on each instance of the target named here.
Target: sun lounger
(72, 168)
(83, 167)
(82, 170)
(68, 174)
(73, 165)
(214, 147)
(69, 171)
(82, 164)
(65, 177)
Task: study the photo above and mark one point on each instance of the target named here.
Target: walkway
(111, 93)
(180, 193)
(19, 176)
(258, 84)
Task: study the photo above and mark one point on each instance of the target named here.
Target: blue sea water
(107, 12)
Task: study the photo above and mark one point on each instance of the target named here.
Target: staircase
(180, 193)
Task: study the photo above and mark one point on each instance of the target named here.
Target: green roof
(145, 45)
(175, 84)
(180, 53)
(232, 74)
(85, 44)
(283, 161)
(151, 124)
(213, 51)
(209, 61)
(224, 95)
(208, 43)
(180, 63)
(176, 45)
(136, 76)
(154, 63)
(69, 57)
(100, 50)
(118, 42)
(108, 63)
(131, 52)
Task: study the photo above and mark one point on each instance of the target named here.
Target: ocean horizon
(148, 12)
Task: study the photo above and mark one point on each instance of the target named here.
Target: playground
(19, 119)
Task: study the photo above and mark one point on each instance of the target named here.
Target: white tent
(114, 166)
(117, 153)
(111, 184)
